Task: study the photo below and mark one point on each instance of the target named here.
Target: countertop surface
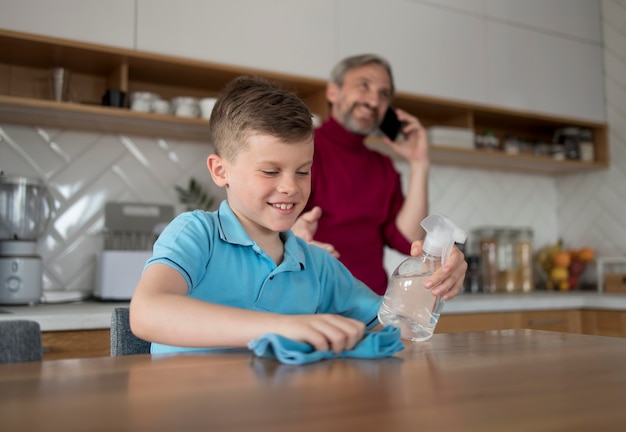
(85, 315)
(92, 314)
(493, 381)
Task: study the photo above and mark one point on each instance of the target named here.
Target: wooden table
(510, 380)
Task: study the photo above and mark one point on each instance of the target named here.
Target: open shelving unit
(26, 61)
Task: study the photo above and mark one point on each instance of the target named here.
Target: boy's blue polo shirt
(223, 265)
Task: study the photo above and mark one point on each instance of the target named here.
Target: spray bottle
(407, 304)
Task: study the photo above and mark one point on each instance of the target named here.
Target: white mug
(206, 107)
(185, 107)
(142, 101)
(160, 106)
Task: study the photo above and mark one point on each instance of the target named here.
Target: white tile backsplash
(84, 171)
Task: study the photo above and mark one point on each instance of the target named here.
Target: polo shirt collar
(231, 231)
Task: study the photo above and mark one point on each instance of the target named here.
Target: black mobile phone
(391, 125)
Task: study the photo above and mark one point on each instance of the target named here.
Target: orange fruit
(562, 259)
(585, 254)
(558, 274)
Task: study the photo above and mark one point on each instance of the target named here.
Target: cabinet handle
(546, 321)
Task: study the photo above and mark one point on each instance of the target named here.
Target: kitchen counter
(536, 301)
(90, 314)
(86, 315)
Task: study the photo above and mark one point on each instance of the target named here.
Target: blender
(26, 210)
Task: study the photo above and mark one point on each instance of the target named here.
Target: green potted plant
(194, 197)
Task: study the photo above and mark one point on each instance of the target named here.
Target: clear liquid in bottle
(410, 307)
(407, 304)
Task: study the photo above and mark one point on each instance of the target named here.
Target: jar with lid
(586, 145)
(483, 243)
(569, 138)
(505, 258)
(512, 144)
(523, 248)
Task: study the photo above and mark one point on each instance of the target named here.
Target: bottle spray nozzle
(441, 235)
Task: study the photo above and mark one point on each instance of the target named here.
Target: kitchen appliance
(26, 210)
(130, 231)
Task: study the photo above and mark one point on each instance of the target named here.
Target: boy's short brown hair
(250, 105)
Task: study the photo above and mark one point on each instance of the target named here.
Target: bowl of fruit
(562, 268)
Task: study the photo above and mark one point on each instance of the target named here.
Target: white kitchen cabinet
(544, 73)
(280, 35)
(445, 50)
(577, 19)
(110, 22)
(433, 51)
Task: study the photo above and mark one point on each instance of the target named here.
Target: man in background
(357, 206)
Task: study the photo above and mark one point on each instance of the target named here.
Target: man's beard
(349, 122)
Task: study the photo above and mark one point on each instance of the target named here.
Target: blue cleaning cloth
(383, 343)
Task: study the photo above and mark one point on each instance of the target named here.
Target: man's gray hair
(344, 66)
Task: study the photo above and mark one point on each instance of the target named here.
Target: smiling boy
(224, 278)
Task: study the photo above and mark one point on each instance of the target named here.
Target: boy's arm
(161, 311)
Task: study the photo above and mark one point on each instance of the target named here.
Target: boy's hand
(324, 331)
(448, 280)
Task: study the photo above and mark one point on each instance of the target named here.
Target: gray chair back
(123, 341)
(20, 341)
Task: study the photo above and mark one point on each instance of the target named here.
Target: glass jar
(506, 260)
(485, 246)
(505, 257)
(569, 139)
(524, 260)
(586, 145)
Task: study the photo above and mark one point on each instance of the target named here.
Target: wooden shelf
(496, 160)
(26, 60)
(99, 118)
(534, 127)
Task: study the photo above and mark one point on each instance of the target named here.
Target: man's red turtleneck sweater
(360, 194)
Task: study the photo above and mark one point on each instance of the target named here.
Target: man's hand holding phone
(414, 146)
(391, 125)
